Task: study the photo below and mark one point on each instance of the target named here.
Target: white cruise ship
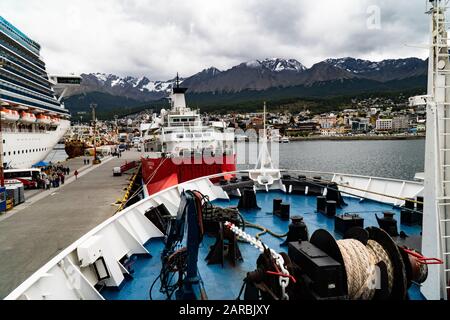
(33, 118)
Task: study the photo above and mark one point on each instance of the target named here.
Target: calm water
(399, 159)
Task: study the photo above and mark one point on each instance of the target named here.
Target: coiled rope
(360, 265)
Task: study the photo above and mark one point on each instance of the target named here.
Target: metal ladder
(444, 143)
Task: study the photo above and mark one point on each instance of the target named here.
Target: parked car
(122, 147)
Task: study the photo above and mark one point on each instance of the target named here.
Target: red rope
(279, 274)
(421, 259)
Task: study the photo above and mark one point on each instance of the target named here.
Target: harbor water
(397, 159)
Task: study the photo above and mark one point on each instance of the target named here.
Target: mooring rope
(382, 256)
(360, 265)
(264, 230)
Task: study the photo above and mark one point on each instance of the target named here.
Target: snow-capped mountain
(143, 84)
(136, 88)
(256, 75)
(385, 70)
(277, 65)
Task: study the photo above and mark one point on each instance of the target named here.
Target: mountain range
(256, 77)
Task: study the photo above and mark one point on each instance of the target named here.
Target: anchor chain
(284, 278)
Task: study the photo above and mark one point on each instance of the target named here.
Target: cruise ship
(33, 117)
(271, 233)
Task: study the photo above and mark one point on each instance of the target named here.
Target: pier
(49, 221)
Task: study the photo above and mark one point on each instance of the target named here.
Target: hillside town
(369, 118)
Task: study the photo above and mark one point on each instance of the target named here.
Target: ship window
(183, 120)
(9, 153)
(176, 120)
(180, 136)
(101, 269)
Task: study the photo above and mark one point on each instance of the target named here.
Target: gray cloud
(157, 38)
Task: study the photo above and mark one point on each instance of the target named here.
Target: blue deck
(225, 283)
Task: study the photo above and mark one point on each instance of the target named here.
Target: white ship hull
(24, 149)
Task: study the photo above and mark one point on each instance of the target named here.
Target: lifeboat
(55, 121)
(27, 117)
(43, 119)
(9, 115)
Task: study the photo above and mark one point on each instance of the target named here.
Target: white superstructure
(33, 118)
(436, 220)
(180, 131)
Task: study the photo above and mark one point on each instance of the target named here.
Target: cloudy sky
(157, 38)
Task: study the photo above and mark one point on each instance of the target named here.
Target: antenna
(178, 81)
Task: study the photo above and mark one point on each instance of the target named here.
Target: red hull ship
(160, 174)
(179, 148)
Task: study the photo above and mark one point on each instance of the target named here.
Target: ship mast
(178, 97)
(436, 216)
(94, 122)
(264, 159)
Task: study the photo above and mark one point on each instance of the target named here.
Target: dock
(49, 221)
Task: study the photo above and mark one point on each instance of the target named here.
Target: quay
(49, 221)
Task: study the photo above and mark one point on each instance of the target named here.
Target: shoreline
(353, 138)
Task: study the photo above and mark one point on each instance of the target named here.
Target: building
(329, 132)
(383, 125)
(328, 122)
(421, 127)
(341, 130)
(400, 123)
(360, 125)
(302, 128)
